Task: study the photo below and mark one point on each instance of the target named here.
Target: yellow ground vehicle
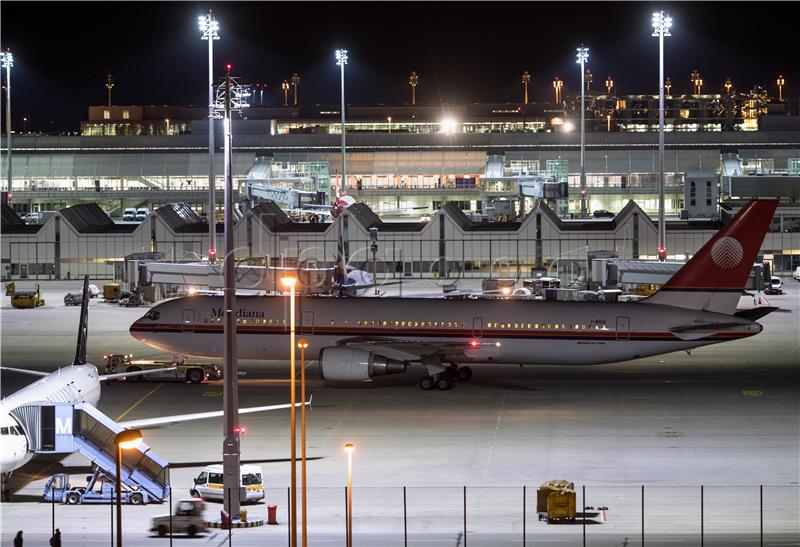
(646, 289)
(11, 288)
(27, 299)
(555, 501)
(111, 292)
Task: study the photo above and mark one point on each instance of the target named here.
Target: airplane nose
(135, 330)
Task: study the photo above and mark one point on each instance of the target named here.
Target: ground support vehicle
(186, 519)
(73, 299)
(180, 370)
(555, 501)
(208, 485)
(99, 489)
(27, 299)
(111, 292)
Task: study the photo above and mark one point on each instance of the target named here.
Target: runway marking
(137, 403)
(752, 392)
(212, 394)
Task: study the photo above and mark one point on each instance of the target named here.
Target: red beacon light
(240, 430)
(474, 343)
(212, 252)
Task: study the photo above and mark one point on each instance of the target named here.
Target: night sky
(462, 51)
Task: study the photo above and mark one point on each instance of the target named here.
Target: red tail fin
(723, 264)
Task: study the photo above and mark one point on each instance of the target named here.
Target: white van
(796, 273)
(142, 213)
(208, 484)
(129, 214)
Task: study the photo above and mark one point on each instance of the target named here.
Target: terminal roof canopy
(89, 218)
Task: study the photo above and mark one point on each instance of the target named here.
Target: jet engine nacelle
(352, 364)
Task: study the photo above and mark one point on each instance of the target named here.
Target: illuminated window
(333, 321)
(383, 323)
(346, 322)
(106, 114)
(126, 114)
(430, 323)
(536, 325)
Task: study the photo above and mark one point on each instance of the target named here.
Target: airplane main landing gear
(446, 379)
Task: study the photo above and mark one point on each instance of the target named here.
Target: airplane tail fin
(713, 280)
(83, 326)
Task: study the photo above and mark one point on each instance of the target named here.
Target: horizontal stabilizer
(754, 314)
(23, 371)
(697, 331)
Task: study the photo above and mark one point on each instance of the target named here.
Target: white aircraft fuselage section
(492, 330)
(70, 384)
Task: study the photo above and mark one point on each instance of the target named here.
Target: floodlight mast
(7, 61)
(210, 29)
(341, 60)
(583, 56)
(230, 96)
(661, 25)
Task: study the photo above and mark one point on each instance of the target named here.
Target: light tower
(295, 84)
(583, 56)
(230, 97)
(557, 85)
(668, 85)
(697, 82)
(109, 86)
(413, 80)
(609, 85)
(7, 61)
(780, 82)
(526, 78)
(210, 28)
(661, 24)
(728, 86)
(285, 88)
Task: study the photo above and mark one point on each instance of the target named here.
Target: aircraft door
(623, 328)
(477, 327)
(187, 321)
(307, 325)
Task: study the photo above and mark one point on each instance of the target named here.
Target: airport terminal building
(398, 160)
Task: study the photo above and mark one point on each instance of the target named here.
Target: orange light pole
(526, 78)
(295, 85)
(303, 344)
(413, 80)
(285, 88)
(290, 282)
(349, 449)
(780, 82)
(609, 85)
(557, 85)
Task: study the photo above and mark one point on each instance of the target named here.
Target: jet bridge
(53, 428)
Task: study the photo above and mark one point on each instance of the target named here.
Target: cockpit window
(3, 431)
(153, 315)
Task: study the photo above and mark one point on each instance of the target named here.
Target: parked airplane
(358, 338)
(75, 383)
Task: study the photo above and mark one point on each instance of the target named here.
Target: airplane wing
(104, 377)
(411, 350)
(146, 423)
(23, 371)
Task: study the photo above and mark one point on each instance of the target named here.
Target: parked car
(775, 285)
(187, 518)
(129, 214)
(796, 273)
(142, 213)
(73, 299)
(602, 213)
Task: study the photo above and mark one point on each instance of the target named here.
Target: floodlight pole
(661, 25)
(583, 56)
(210, 28)
(341, 60)
(7, 63)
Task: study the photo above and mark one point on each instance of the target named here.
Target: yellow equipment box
(561, 505)
(27, 299)
(546, 488)
(111, 292)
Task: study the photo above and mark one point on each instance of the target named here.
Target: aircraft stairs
(53, 428)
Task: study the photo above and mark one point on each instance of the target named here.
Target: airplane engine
(352, 364)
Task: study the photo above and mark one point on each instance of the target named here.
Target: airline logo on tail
(727, 252)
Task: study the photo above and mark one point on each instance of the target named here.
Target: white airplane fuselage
(70, 384)
(493, 330)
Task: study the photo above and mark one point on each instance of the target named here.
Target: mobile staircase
(53, 428)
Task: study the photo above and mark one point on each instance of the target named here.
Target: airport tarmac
(727, 417)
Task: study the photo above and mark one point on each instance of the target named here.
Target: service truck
(179, 369)
(99, 489)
